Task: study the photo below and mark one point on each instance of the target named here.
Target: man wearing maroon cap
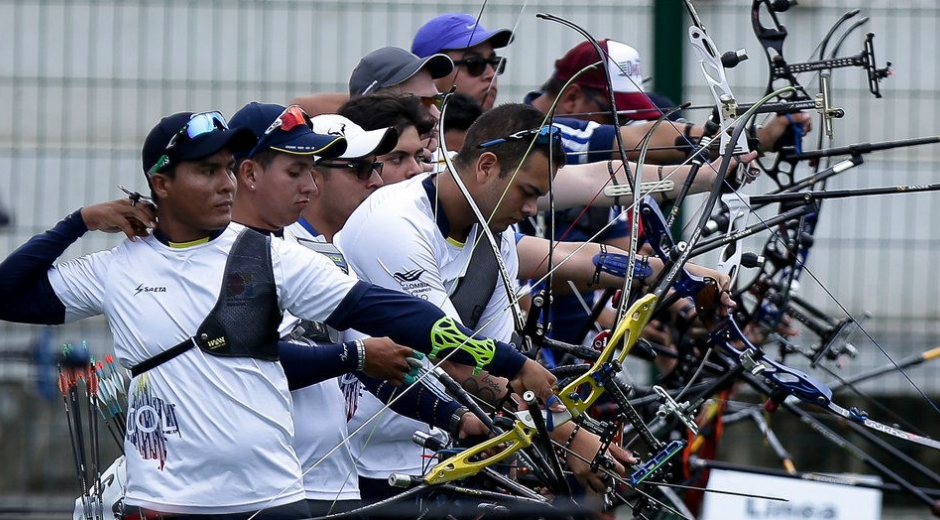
(585, 106)
(588, 94)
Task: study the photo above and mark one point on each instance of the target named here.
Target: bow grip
(461, 466)
(627, 332)
(789, 381)
(797, 383)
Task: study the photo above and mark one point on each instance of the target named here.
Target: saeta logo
(143, 288)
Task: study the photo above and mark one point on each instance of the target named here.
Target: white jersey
(205, 434)
(320, 414)
(393, 240)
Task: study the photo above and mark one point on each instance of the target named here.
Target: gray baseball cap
(390, 66)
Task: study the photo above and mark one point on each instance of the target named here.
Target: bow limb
(624, 337)
(714, 72)
(469, 462)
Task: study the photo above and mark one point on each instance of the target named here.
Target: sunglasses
(476, 65)
(594, 96)
(199, 124)
(437, 100)
(292, 117)
(547, 134)
(362, 169)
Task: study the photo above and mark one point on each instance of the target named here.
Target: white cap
(359, 143)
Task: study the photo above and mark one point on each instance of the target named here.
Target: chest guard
(246, 316)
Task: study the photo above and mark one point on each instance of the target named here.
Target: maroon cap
(625, 75)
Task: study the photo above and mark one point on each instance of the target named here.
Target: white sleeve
(80, 284)
(392, 252)
(309, 285)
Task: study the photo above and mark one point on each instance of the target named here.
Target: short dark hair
(500, 122)
(170, 172)
(388, 109)
(264, 158)
(553, 86)
(462, 110)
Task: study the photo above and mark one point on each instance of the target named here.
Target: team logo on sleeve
(410, 282)
(409, 276)
(352, 391)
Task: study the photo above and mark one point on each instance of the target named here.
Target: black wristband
(454, 426)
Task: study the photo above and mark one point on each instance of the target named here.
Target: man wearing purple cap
(472, 47)
(194, 308)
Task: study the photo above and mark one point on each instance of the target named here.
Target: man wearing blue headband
(418, 236)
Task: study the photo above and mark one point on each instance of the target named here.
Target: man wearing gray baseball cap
(388, 68)
(395, 67)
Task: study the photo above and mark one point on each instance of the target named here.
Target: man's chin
(497, 227)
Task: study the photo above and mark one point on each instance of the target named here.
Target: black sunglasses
(362, 169)
(476, 65)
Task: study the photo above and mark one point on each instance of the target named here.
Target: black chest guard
(246, 316)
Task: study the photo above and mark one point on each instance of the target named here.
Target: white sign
(806, 499)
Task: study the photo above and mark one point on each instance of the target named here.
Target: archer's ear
(487, 167)
(160, 185)
(247, 174)
(570, 101)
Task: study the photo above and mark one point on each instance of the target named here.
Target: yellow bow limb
(627, 333)
(468, 462)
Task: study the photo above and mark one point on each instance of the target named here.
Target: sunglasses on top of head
(361, 168)
(292, 117)
(543, 135)
(199, 124)
(476, 64)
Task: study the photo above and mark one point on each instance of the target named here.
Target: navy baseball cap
(452, 31)
(285, 129)
(390, 66)
(187, 136)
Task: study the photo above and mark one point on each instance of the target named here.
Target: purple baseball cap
(452, 31)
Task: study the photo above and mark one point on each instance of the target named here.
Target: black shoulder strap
(476, 287)
(162, 357)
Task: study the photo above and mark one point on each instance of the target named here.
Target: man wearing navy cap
(275, 183)
(194, 309)
(472, 48)
(274, 177)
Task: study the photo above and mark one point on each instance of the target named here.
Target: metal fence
(82, 82)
